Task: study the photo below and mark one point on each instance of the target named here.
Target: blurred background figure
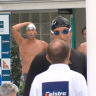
(8, 89)
(84, 33)
(82, 47)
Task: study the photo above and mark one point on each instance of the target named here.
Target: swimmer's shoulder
(83, 44)
(82, 47)
(42, 42)
(24, 42)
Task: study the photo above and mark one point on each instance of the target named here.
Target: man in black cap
(60, 29)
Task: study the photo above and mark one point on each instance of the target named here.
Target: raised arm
(15, 30)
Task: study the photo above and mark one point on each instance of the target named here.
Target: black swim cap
(60, 22)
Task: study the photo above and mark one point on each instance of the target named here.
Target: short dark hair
(57, 51)
(83, 29)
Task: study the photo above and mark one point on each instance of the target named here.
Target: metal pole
(91, 46)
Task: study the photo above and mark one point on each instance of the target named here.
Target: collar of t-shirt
(59, 66)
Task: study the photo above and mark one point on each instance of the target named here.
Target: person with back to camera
(60, 29)
(8, 89)
(82, 48)
(29, 47)
(59, 80)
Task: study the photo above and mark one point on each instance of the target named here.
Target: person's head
(61, 29)
(84, 33)
(8, 89)
(31, 31)
(58, 52)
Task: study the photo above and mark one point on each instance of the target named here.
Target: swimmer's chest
(31, 49)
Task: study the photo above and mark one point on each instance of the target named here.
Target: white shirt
(59, 80)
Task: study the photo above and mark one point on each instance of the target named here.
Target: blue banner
(55, 88)
(4, 48)
(6, 75)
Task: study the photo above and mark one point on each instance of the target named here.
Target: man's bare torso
(28, 51)
(30, 47)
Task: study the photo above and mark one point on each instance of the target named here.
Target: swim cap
(60, 22)
(30, 26)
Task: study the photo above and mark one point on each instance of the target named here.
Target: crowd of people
(60, 29)
(53, 68)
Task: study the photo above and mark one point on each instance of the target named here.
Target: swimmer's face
(65, 37)
(31, 33)
(84, 34)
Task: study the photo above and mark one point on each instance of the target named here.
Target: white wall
(80, 22)
(37, 4)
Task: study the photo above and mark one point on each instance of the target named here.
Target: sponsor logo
(5, 41)
(1, 24)
(5, 65)
(6, 75)
(55, 93)
(58, 88)
(4, 24)
(5, 52)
